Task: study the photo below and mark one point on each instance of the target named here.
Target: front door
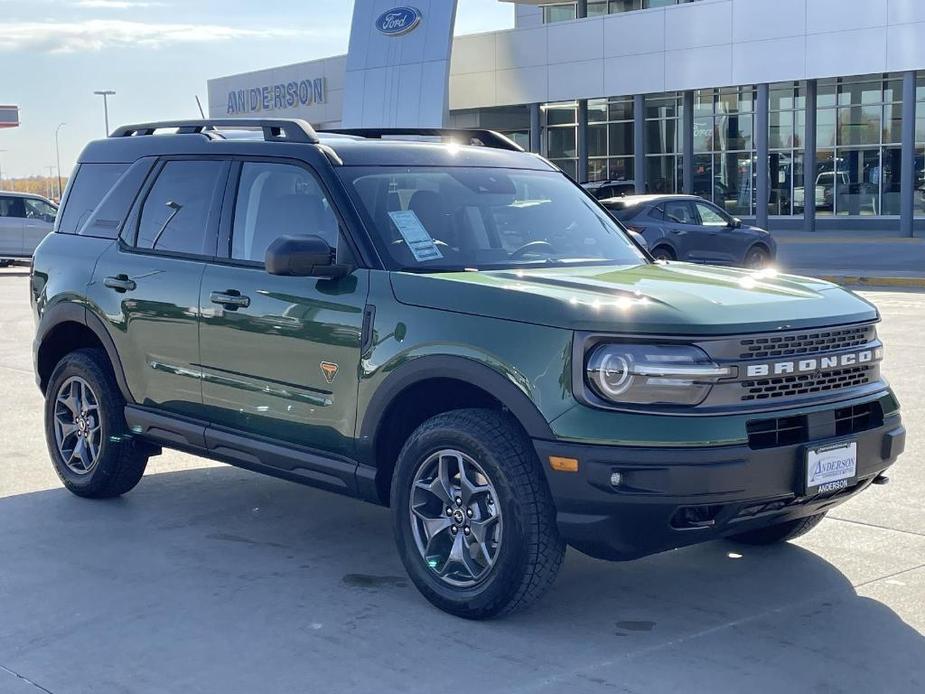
(12, 217)
(280, 355)
(146, 285)
(716, 237)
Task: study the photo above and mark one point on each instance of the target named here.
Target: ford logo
(398, 20)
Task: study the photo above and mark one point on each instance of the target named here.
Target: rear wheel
(781, 532)
(757, 258)
(85, 428)
(474, 520)
(663, 253)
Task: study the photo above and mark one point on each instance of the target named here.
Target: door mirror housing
(303, 256)
(735, 223)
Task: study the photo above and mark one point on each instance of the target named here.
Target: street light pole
(58, 156)
(106, 94)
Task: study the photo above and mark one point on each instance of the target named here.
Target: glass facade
(859, 130)
(564, 11)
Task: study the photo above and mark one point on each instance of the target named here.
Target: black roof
(274, 137)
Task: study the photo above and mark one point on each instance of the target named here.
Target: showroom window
(663, 143)
(724, 147)
(513, 121)
(787, 125)
(564, 11)
(920, 146)
(859, 146)
(562, 135)
(610, 139)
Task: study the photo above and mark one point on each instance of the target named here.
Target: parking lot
(207, 578)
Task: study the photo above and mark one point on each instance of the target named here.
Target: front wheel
(474, 520)
(780, 532)
(757, 258)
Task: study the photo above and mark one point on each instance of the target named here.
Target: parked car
(610, 189)
(686, 227)
(25, 220)
(451, 331)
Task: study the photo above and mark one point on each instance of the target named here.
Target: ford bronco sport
(450, 327)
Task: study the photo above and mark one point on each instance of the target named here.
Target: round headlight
(615, 376)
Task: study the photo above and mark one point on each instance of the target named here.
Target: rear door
(12, 223)
(40, 220)
(280, 355)
(146, 284)
(682, 229)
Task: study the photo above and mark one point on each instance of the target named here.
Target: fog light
(615, 479)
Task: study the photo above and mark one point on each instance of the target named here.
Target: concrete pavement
(215, 580)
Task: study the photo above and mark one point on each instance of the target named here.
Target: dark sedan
(689, 228)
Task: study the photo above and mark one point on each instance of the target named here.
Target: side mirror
(303, 256)
(736, 223)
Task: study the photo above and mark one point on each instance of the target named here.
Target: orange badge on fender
(329, 369)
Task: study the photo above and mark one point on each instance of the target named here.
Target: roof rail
(469, 136)
(274, 129)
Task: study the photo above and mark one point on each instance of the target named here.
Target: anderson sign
(278, 97)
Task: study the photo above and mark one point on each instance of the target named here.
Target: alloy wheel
(78, 425)
(455, 518)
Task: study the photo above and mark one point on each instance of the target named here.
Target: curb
(862, 281)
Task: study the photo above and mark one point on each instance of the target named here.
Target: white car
(25, 220)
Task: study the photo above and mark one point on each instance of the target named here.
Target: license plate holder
(829, 468)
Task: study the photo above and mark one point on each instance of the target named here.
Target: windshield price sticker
(419, 242)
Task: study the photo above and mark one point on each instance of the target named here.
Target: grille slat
(804, 343)
(806, 384)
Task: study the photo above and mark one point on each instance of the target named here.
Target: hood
(672, 298)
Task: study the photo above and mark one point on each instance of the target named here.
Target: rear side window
(12, 207)
(91, 183)
(176, 213)
(107, 219)
(679, 212)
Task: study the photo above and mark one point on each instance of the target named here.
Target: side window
(175, 215)
(679, 212)
(89, 187)
(12, 207)
(279, 200)
(657, 212)
(40, 210)
(710, 217)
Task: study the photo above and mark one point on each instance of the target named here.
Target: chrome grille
(806, 384)
(813, 342)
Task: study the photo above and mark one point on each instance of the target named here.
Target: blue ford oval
(398, 20)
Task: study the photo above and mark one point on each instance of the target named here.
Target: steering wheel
(531, 247)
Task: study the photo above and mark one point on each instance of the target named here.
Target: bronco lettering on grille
(812, 365)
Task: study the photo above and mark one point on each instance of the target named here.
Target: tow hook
(881, 479)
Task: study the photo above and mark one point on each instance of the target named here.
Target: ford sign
(398, 21)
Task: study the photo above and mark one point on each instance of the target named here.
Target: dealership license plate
(831, 468)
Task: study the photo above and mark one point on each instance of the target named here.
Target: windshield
(428, 219)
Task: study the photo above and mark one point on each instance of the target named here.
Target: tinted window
(109, 215)
(40, 210)
(657, 213)
(12, 207)
(175, 216)
(278, 200)
(625, 213)
(679, 212)
(711, 217)
(90, 185)
(461, 217)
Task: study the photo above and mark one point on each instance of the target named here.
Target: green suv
(442, 323)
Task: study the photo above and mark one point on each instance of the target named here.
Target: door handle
(121, 283)
(230, 299)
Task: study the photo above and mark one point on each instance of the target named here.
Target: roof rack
(274, 129)
(469, 136)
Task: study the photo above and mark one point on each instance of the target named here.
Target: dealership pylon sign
(9, 116)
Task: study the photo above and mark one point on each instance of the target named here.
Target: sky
(157, 55)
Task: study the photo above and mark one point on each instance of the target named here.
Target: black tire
(120, 462)
(757, 258)
(530, 551)
(781, 532)
(663, 253)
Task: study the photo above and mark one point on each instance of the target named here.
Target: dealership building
(799, 114)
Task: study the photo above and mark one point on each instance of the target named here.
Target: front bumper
(672, 497)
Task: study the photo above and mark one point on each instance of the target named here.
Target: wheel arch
(69, 327)
(420, 389)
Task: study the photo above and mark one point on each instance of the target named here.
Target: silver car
(25, 220)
